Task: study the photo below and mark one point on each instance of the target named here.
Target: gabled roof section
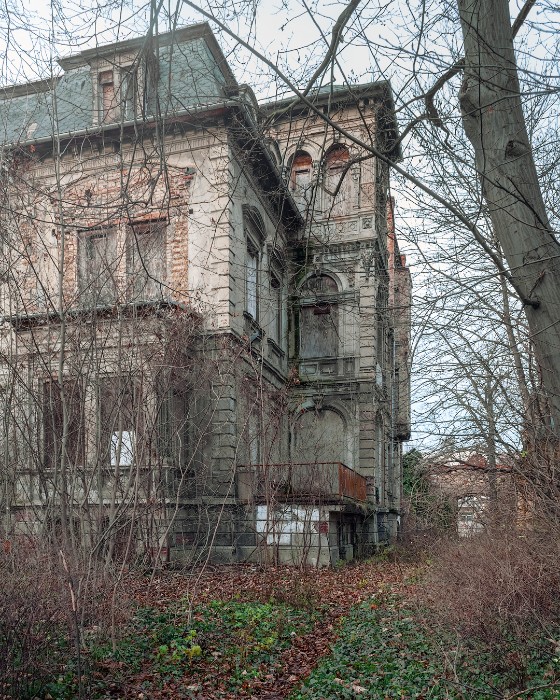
(191, 73)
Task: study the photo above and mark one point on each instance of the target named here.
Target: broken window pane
(119, 421)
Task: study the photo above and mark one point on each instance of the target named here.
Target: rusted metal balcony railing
(319, 482)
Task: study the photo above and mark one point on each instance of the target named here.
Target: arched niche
(320, 436)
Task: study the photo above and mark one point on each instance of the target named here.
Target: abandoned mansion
(205, 315)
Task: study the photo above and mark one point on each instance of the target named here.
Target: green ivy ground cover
(223, 645)
(384, 651)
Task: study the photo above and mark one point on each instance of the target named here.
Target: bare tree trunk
(494, 123)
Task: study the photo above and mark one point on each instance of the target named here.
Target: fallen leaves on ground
(332, 592)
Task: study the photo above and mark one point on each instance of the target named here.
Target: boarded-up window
(97, 266)
(338, 189)
(301, 179)
(63, 429)
(319, 335)
(319, 330)
(146, 261)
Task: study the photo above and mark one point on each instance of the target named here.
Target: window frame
(337, 170)
(107, 108)
(129, 104)
(252, 281)
(87, 284)
(300, 192)
(315, 303)
(52, 413)
(122, 425)
(277, 308)
(135, 232)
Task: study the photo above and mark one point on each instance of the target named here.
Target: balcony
(318, 483)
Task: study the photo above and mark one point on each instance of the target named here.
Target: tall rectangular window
(301, 179)
(251, 282)
(275, 329)
(146, 261)
(60, 434)
(97, 266)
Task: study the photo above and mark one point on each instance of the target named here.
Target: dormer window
(107, 102)
(118, 94)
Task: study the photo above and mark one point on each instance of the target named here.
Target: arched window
(318, 331)
(301, 179)
(337, 182)
(254, 236)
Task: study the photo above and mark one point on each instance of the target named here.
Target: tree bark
(494, 123)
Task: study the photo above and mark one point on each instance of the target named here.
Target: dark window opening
(173, 426)
(251, 282)
(56, 438)
(276, 329)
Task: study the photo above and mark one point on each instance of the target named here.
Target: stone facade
(206, 314)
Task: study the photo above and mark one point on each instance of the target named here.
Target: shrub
(501, 585)
(33, 625)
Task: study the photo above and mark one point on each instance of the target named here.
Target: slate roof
(193, 73)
